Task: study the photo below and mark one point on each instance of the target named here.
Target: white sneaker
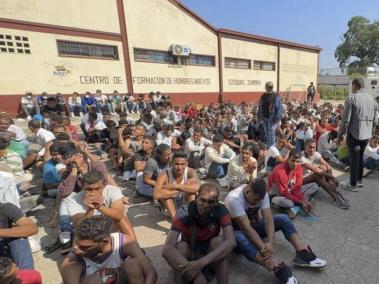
(366, 171)
(346, 185)
(34, 244)
(72, 114)
(28, 118)
(81, 114)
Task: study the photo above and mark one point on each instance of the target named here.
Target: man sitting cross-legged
(201, 245)
(317, 170)
(99, 256)
(175, 184)
(255, 235)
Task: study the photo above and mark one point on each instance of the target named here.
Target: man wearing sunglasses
(255, 235)
(201, 248)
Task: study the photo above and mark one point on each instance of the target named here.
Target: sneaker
(34, 244)
(306, 258)
(28, 118)
(284, 274)
(291, 213)
(360, 183)
(72, 114)
(366, 171)
(346, 185)
(341, 202)
(346, 169)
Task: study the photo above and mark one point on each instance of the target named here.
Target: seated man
(371, 154)
(275, 154)
(11, 274)
(326, 146)
(15, 229)
(195, 252)
(50, 176)
(99, 256)
(243, 168)
(317, 170)
(141, 157)
(153, 168)
(19, 134)
(93, 127)
(176, 185)
(196, 146)
(286, 184)
(42, 137)
(217, 157)
(255, 235)
(52, 109)
(29, 106)
(98, 198)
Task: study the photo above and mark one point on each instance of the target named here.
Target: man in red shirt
(286, 182)
(199, 225)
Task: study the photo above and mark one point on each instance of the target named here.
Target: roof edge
(241, 35)
(268, 39)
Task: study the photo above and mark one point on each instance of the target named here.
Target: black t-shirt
(58, 109)
(9, 214)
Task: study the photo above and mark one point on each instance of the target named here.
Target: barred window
(149, 55)
(88, 50)
(264, 65)
(203, 60)
(160, 56)
(14, 44)
(237, 63)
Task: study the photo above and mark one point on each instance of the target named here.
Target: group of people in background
(273, 153)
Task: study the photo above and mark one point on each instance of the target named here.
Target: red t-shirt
(319, 128)
(29, 277)
(186, 218)
(287, 182)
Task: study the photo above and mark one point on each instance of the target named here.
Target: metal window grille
(264, 65)
(14, 44)
(149, 55)
(88, 50)
(237, 63)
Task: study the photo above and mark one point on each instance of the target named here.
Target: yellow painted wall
(156, 24)
(297, 69)
(100, 15)
(37, 72)
(247, 80)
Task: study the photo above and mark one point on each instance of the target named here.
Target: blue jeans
(216, 170)
(18, 249)
(300, 145)
(64, 217)
(281, 223)
(269, 129)
(371, 164)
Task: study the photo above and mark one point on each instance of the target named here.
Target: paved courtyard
(347, 239)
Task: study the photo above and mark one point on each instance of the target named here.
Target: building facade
(139, 46)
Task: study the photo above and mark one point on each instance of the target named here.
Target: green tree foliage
(360, 45)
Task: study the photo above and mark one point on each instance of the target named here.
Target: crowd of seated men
(178, 158)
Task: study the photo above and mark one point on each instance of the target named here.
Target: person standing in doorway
(270, 111)
(358, 120)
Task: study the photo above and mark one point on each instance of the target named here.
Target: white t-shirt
(323, 143)
(273, 152)
(20, 134)
(238, 206)
(75, 204)
(42, 137)
(313, 160)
